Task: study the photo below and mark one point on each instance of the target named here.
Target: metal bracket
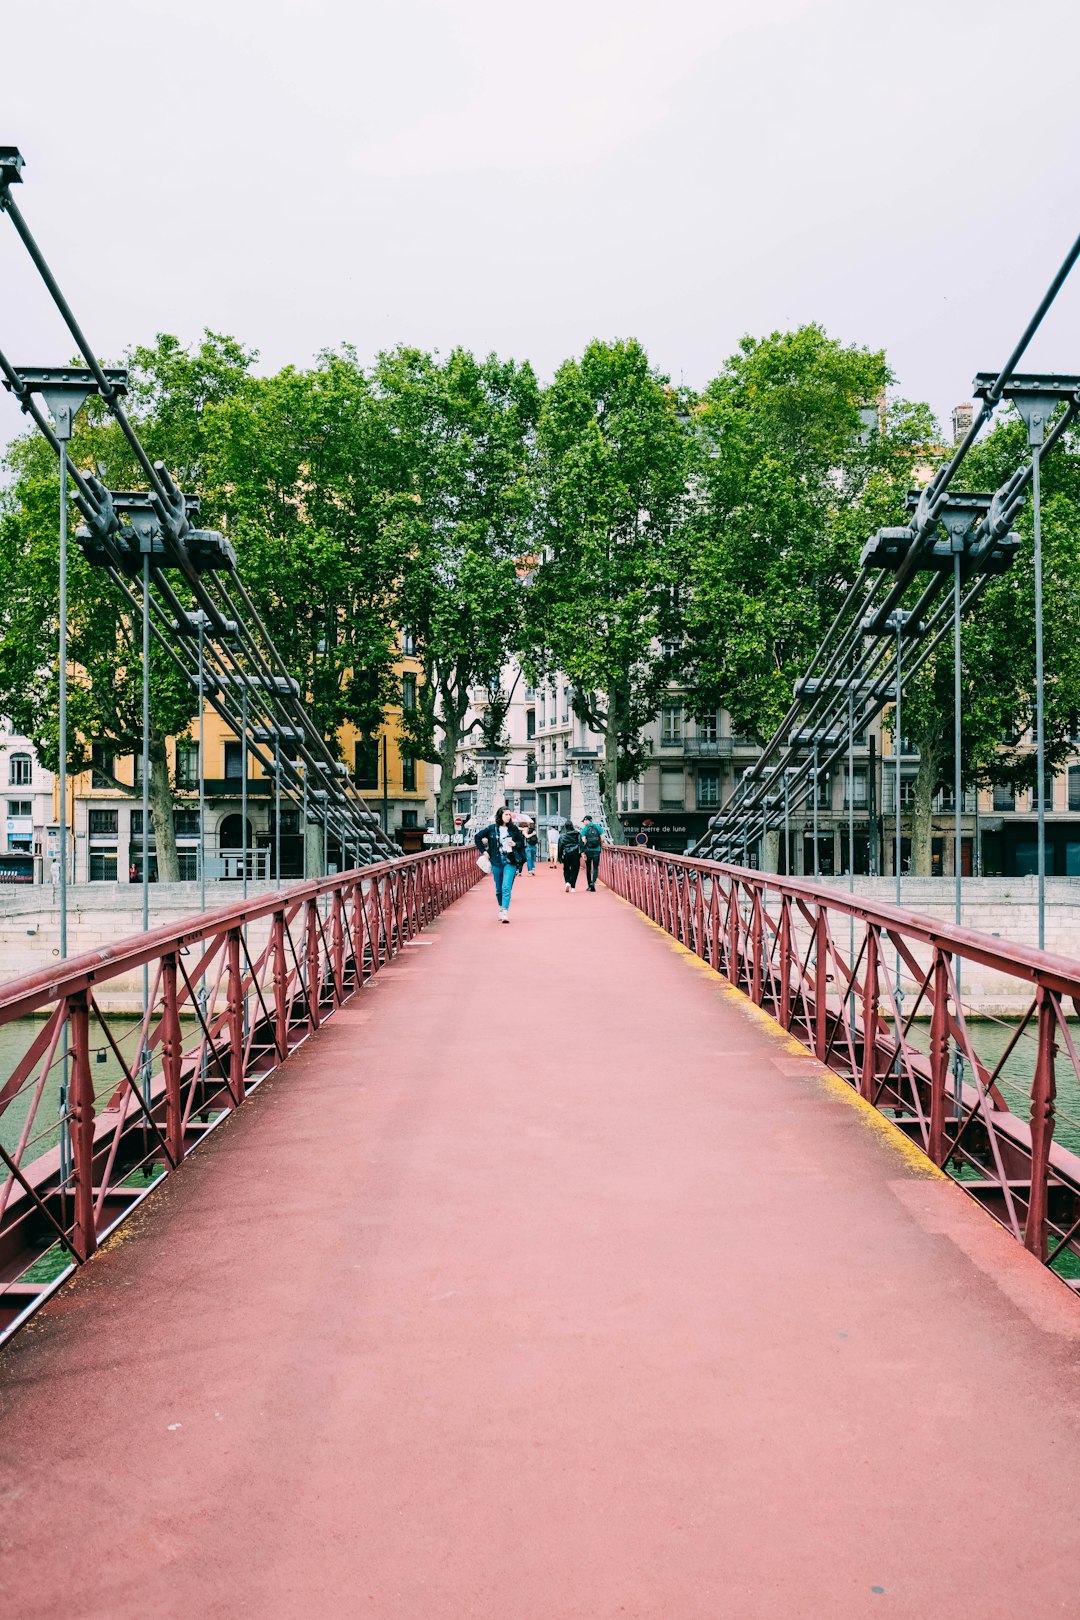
(1035, 395)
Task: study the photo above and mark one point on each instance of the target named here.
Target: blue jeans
(504, 873)
(530, 857)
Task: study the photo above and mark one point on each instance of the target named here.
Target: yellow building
(106, 822)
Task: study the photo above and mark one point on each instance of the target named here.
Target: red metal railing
(874, 992)
(228, 996)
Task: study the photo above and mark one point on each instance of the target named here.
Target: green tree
(169, 388)
(302, 470)
(613, 458)
(458, 514)
(998, 648)
(799, 460)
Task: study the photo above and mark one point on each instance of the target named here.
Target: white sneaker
(506, 916)
(567, 886)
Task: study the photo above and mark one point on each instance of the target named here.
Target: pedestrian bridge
(602, 1265)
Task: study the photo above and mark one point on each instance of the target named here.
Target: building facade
(31, 835)
(695, 762)
(106, 815)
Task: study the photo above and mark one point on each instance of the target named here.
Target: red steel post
(81, 1116)
(757, 949)
(939, 1056)
(236, 1018)
(784, 953)
(733, 934)
(1043, 1098)
(281, 987)
(313, 967)
(821, 963)
(171, 1058)
(337, 948)
(870, 995)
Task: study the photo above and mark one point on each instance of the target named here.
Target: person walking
(553, 844)
(592, 840)
(504, 845)
(570, 855)
(532, 846)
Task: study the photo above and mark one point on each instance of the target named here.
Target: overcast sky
(522, 178)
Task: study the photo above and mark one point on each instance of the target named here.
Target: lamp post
(815, 795)
(65, 390)
(1036, 395)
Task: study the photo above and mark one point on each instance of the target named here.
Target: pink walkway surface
(548, 1280)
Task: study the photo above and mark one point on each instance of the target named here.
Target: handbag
(483, 861)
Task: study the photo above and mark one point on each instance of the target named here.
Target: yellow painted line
(889, 1135)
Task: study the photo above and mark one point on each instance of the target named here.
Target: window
(1048, 793)
(672, 791)
(290, 820)
(103, 866)
(530, 722)
(103, 823)
(408, 644)
(366, 762)
(1004, 796)
(530, 767)
(824, 791)
(1074, 787)
(234, 761)
(408, 693)
(543, 707)
(101, 766)
(187, 861)
(408, 775)
(408, 818)
(187, 764)
(20, 807)
(857, 799)
(671, 718)
(185, 823)
(566, 705)
(708, 789)
(708, 727)
(137, 824)
(20, 770)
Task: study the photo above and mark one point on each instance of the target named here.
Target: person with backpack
(570, 855)
(592, 840)
(532, 845)
(504, 845)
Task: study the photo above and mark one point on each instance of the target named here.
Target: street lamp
(1036, 396)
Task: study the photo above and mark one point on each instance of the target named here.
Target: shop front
(676, 833)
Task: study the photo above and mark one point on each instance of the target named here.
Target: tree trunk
(161, 811)
(611, 770)
(449, 728)
(444, 804)
(922, 825)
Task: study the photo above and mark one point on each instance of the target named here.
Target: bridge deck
(548, 1280)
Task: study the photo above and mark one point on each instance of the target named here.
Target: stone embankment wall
(101, 915)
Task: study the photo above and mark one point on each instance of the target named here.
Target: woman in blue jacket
(505, 846)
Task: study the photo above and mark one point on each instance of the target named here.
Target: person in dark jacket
(570, 855)
(592, 843)
(504, 844)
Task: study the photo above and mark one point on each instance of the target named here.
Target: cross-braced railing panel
(100, 1104)
(877, 994)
